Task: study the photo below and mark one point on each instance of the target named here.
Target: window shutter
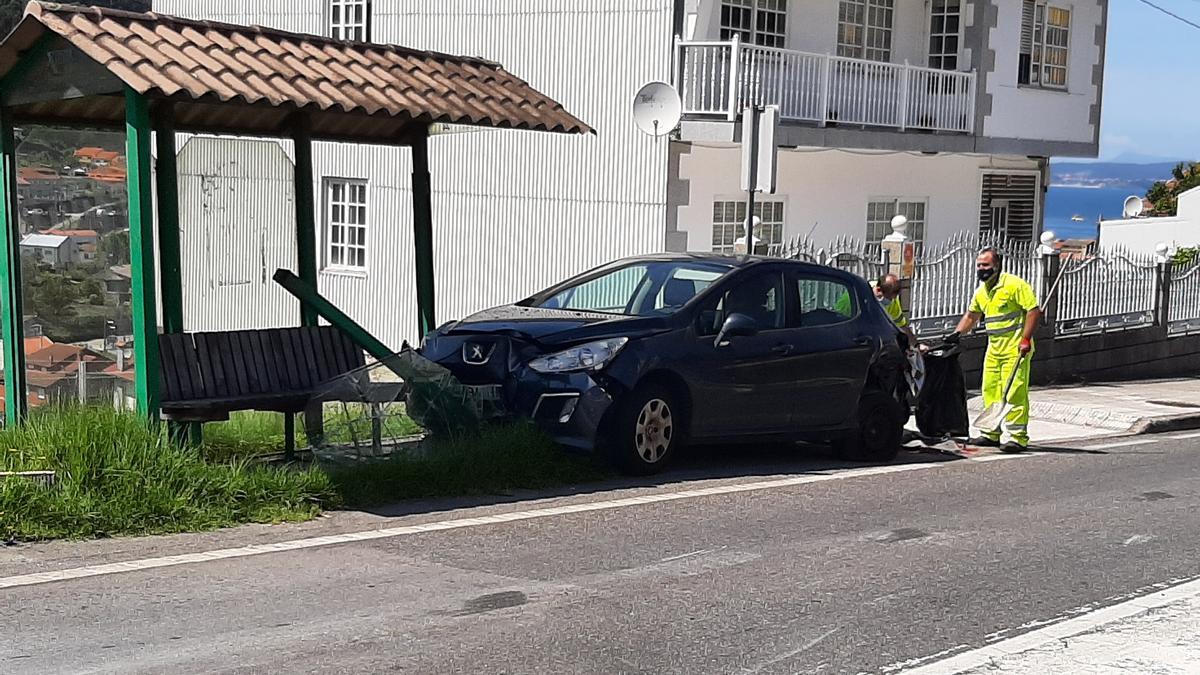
(1021, 192)
(1025, 61)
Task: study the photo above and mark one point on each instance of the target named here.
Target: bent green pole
(310, 298)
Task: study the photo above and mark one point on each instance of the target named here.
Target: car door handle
(782, 350)
(862, 340)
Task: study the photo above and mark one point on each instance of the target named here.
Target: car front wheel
(880, 430)
(646, 430)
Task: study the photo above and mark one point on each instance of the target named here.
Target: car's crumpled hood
(550, 327)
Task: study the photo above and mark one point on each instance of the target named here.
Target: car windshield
(642, 288)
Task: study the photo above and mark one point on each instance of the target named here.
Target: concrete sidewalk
(1107, 409)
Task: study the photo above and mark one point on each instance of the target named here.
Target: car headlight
(590, 356)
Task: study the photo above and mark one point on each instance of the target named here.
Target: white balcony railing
(722, 78)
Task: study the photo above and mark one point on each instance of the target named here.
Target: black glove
(953, 338)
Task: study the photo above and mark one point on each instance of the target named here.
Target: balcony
(719, 79)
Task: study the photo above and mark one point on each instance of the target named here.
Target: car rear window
(822, 302)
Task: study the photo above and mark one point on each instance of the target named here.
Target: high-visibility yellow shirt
(894, 309)
(1004, 307)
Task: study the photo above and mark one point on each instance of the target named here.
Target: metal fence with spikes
(844, 252)
(1112, 290)
(1183, 303)
(944, 277)
(1103, 291)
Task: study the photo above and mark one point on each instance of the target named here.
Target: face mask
(984, 275)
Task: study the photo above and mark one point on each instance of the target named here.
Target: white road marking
(789, 654)
(1184, 437)
(1120, 444)
(978, 658)
(688, 555)
(458, 523)
(1005, 455)
(1137, 539)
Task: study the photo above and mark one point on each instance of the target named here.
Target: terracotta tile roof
(37, 173)
(33, 344)
(352, 90)
(72, 233)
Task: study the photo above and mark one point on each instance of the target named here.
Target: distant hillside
(1133, 177)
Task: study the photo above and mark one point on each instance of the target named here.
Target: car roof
(734, 261)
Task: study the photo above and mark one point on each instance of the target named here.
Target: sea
(1063, 202)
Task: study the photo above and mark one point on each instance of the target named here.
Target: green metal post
(144, 305)
(423, 231)
(307, 294)
(306, 264)
(169, 256)
(306, 230)
(10, 278)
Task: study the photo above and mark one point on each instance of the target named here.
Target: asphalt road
(869, 572)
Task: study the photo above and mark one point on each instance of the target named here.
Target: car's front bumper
(570, 407)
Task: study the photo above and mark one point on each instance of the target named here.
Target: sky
(1151, 83)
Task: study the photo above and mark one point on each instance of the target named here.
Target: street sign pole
(750, 119)
(759, 155)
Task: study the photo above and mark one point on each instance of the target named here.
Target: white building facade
(1143, 235)
(944, 110)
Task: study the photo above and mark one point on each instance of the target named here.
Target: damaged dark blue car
(644, 355)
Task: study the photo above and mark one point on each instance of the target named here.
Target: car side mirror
(737, 325)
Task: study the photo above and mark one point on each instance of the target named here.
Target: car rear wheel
(880, 430)
(646, 431)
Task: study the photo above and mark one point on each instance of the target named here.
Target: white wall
(513, 211)
(1055, 115)
(1142, 235)
(826, 191)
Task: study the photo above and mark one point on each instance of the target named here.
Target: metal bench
(205, 376)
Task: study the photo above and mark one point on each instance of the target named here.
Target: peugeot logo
(477, 354)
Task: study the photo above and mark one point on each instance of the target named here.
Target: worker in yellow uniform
(1009, 310)
(887, 292)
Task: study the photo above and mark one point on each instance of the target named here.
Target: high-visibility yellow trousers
(998, 365)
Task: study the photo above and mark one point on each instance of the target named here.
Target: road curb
(1162, 424)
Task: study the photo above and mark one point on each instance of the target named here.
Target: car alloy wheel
(879, 432)
(654, 431)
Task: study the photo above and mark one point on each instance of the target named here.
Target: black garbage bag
(942, 404)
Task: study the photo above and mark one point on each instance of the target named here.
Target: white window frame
(1041, 46)
(872, 38)
(945, 59)
(878, 227)
(338, 254)
(770, 232)
(756, 30)
(343, 28)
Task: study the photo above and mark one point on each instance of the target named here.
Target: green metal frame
(12, 319)
(308, 296)
(170, 258)
(139, 124)
(306, 209)
(423, 231)
(141, 247)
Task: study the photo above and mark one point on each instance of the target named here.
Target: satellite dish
(1133, 206)
(657, 108)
